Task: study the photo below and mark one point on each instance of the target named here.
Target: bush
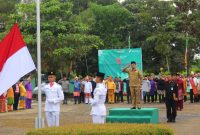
(105, 129)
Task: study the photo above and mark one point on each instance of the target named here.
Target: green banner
(111, 62)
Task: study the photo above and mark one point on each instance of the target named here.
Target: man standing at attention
(54, 96)
(98, 111)
(134, 84)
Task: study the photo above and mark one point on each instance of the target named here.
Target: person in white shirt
(98, 111)
(87, 89)
(54, 97)
(146, 86)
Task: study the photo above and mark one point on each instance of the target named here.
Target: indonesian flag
(15, 59)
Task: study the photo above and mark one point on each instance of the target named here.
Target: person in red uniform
(179, 102)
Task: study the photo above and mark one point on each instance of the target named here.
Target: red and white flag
(15, 59)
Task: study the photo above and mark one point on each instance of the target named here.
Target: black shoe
(139, 108)
(173, 121)
(133, 108)
(169, 121)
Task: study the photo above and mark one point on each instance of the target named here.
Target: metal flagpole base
(39, 122)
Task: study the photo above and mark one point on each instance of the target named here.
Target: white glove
(51, 100)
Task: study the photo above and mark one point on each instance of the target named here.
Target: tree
(62, 40)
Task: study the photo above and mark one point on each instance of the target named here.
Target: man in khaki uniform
(135, 83)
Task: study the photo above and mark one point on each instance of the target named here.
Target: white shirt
(98, 102)
(54, 96)
(196, 81)
(87, 87)
(146, 86)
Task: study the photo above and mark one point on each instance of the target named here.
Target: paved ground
(17, 123)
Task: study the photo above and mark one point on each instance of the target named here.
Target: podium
(127, 115)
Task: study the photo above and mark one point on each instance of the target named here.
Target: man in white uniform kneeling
(98, 111)
(54, 96)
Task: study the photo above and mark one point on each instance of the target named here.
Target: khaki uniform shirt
(134, 76)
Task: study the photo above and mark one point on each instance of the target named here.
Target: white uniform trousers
(52, 118)
(98, 119)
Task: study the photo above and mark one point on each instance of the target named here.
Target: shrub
(105, 129)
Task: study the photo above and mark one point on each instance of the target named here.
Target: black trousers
(191, 96)
(82, 97)
(171, 109)
(185, 98)
(121, 96)
(16, 101)
(77, 99)
(128, 95)
(150, 98)
(65, 97)
(107, 97)
(145, 97)
(155, 96)
(116, 97)
(161, 98)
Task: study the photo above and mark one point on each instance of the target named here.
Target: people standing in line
(198, 86)
(22, 98)
(121, 90)
(16, 96)
(171, 89)
(77, 90)
(146, 86)
(128, 92)
(64, 82)
(196, 81)
(93, 86)
(87, 89)
(156, 93)
(152, 90)
(135, 84)
(179, 102)
(161, 89)
(185, 86)
(82, 94)
(193, 88)
(3, 106)
(98, 111)
(54, 97)
(10, 99)
(29, 92)
(117, 84)
(111, 87)
(104, 82)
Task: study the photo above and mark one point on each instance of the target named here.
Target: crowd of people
(19, 96)
(153, 88)
(172, 90)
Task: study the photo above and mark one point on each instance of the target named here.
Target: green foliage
(106, 129)
(73, 30)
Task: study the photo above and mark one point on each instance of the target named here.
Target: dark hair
(133, 62)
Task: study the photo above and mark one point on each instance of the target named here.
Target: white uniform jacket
(54, 96)
(98, 102)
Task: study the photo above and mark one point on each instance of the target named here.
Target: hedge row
(106, 129)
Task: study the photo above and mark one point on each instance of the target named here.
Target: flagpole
(39, 123)
(129, 40)
(186, 55)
